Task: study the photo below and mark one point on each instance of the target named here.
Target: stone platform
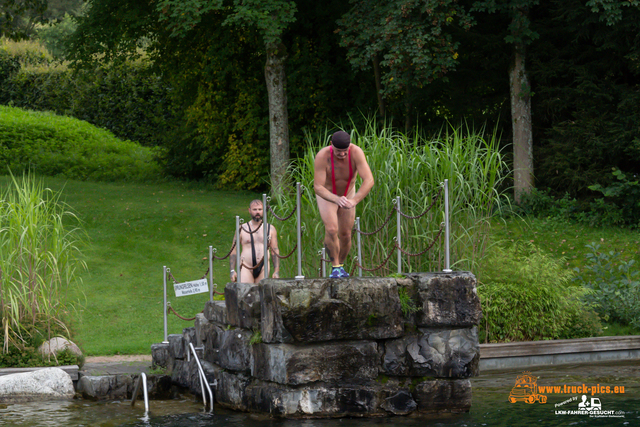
(336, 347)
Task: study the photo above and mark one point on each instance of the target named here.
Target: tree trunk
(521, 122)
(275, 78)
(376, 72)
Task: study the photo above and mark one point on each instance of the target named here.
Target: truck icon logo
(526, 390)
(594, 405)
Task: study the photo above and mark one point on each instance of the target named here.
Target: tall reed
(39, 258)
(412, 168)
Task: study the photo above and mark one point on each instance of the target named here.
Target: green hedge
(127, 98)
(63, 146)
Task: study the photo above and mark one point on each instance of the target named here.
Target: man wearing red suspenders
(335, 170)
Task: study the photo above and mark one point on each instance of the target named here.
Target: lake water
(490, 406)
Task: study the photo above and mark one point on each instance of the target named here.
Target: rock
(447, 299)
(176, 346)
(201, 326)
(56, 345)
(189, 336)
(317, 400)
(160, 355)
(242, 301)
(216, 311)
(440, 353)
(314, 310)
(185, 374)
(105, 387)
(40, 385)
(229, 348)
(399, 403)
(301, 364)
(443, 396)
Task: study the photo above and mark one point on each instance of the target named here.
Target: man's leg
(329, 215)
(346, 218)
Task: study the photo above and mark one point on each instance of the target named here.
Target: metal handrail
(203, 379)
(142, 379)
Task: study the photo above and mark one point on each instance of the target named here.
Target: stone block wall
(336, 347)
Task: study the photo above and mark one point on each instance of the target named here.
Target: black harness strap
(257, 271)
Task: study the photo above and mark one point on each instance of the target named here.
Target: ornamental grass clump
(413, 168)
(39, 261)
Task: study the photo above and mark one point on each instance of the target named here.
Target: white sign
(191, 288)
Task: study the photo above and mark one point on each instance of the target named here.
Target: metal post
(446, 227)
(143, 378)
(298, 208)
(359, 246)
(266, 236)
(164, 306)
(398, 237)
(238, 249)
(211, 273)
(324, 266)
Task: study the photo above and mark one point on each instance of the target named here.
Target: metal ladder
(203, 378)
(136, 390)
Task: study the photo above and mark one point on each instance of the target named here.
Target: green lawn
(134, 230)
(568, 240)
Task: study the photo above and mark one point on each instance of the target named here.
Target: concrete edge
(518, 355)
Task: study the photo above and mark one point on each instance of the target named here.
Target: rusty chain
(285, 256)
(433, 202)
(285, 218)
(364, 233)
(226, 256)
(258, 264)
(433, 242)
(357, 264)
(253, 231)
(172, 310)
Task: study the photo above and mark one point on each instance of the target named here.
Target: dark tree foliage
(18, 17)
(587, 81)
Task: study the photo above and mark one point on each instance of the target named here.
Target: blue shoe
(336, 273)
(343, 272)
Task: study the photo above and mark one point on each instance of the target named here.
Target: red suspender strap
(350, 174)
(333, 175)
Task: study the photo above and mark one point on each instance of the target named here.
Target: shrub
(621, 203)
(39, 258)
(62, 146)
(615, 284)
(126, 98)
(527, 295)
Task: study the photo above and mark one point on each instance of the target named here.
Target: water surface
(490, 406)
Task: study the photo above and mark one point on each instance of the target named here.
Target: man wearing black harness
(252, 244)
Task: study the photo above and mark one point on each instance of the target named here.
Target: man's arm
(274, 247)
(365, 173)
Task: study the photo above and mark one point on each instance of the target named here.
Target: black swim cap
(341, 140)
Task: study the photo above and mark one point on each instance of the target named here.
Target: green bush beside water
(527, 295)
(62, 146)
